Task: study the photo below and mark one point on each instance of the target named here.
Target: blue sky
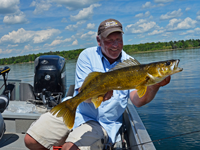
(37, 26)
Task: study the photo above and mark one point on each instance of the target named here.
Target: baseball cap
(109, 26)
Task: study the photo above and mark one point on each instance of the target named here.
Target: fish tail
(66, 111)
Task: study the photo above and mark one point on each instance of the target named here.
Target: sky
(38, 26)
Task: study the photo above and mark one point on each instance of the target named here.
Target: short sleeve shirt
(109, 113)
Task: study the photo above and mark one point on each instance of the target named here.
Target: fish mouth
(176, 68)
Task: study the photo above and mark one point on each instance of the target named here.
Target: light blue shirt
(109, 113)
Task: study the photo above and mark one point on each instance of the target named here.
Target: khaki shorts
(50, 131)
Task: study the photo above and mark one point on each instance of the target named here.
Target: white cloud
(141, 26)
(198, 17)
(9, 45)
(90, 26)
(44, 5)
(85, 14)
(74, 27)
(195, 31)
(187, 9)
(167, 34)
(163, 1)
(140, 15)
(59, 41)
(56, 42)
(156, 32)
(40, 6)
(187, 32)
(171, 15)
(9, 6)
(147, 5)
(43, 35)
(74, 4)
(28, 47)
(21, 36)
(176, 24)
(88, 36)
(187, 23)
(64, 20)
(15, 19)
(198, 13)
(147, 14)
(75, 42)
(7, 51)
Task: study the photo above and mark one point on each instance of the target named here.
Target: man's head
(110, 39)
(109, 26)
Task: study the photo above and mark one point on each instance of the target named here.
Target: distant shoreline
(129, 49)
(150, 51)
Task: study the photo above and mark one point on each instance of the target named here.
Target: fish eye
(168, 63)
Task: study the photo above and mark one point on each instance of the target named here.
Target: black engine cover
(50, 74)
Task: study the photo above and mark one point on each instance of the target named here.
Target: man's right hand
(108, 95)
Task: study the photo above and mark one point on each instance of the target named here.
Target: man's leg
(87, 136)
(32, 144)
(47, 131)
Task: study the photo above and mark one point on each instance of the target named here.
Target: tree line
(73, 54)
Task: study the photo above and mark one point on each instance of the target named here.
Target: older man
(92, 125)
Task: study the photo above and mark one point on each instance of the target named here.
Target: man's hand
(164, 82)
(108, 95)
(149, 95)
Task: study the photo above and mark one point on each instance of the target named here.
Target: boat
(28, 102)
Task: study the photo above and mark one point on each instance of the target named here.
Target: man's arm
(149, 95)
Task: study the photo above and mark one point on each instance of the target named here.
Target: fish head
(168, 67)
(158, 71)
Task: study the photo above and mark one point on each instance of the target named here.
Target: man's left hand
(164, 82)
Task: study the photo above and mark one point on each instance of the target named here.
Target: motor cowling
(50, 76)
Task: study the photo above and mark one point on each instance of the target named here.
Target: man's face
(111, 45)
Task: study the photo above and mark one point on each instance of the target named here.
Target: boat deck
(12, 141)
(18, 123)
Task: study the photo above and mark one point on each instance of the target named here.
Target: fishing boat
(27, 103)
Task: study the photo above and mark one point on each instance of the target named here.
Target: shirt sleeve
(83, 68)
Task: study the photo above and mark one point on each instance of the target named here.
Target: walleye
(129, 74)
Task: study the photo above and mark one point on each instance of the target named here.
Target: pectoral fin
(141, 90)
(97, 100)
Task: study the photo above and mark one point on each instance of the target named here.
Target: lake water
(176, 108)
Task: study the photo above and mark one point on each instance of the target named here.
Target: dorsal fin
(90, 76)
(126, 63)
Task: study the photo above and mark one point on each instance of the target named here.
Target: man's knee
(32, 144)
(69, 146)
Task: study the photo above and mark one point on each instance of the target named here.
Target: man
(92, 125)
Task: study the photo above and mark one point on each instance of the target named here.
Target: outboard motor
(4, 99)
(50, 79)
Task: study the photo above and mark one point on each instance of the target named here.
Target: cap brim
(111, 30)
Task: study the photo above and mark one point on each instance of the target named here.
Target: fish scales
(124, 76)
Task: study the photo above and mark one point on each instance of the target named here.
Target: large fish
(129, 74)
